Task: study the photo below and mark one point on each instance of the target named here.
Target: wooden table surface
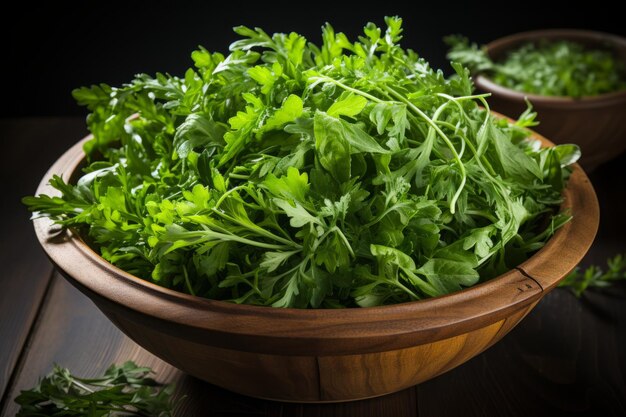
(567, 358)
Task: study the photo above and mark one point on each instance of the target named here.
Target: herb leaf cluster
(549, 68)
(595, 276)
(123, 390)
(289, 174)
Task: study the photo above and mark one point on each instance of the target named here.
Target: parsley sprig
(595, 276)
(123, 390)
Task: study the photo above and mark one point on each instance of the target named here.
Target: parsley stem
(482, 213)
(81, 385)
(226, 194)
(407, 290)
(443, 136)
(549, 231)
(348, 88)
(209, 235)
(187, 283)
(247, 224)
(238, 176)
(345, 241)
(258, 230)
(381, 216)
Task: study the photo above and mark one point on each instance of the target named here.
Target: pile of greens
(549, 68)
(123, 390)
(295, 175)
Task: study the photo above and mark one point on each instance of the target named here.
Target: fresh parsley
(123, 390)
(594, 276)
(289, 174)
(549, 68)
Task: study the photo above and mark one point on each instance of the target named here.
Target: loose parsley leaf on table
(123, 390)
(550, 68)
(289, 174)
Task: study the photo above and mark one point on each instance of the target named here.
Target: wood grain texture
(276, 350)
(69, 333)
(371, 374)
(26, 270)
(567, 358)
(316, 378)
(596, 124)
(510, 322)
(74, 333)
(257, 374)
(23, 284)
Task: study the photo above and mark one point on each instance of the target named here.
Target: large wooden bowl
(318, 355)
(594, 123)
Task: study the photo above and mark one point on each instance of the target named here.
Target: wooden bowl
(318, 355)
(595, 123)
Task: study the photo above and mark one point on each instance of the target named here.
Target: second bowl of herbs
(575, 79)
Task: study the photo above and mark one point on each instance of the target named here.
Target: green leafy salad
(549, 68)
(291, 174)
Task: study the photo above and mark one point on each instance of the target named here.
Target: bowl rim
(292, 331)
(501, 45)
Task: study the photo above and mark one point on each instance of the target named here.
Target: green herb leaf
(349, 106)
(594, 276)
(123, 390)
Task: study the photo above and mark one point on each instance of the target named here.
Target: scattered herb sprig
(549, 68)
(294, 175)
(594, 276)
(123, 390)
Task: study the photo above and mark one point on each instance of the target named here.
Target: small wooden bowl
(318, 355)
(595, 123)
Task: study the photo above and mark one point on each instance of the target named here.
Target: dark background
(50, 50)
